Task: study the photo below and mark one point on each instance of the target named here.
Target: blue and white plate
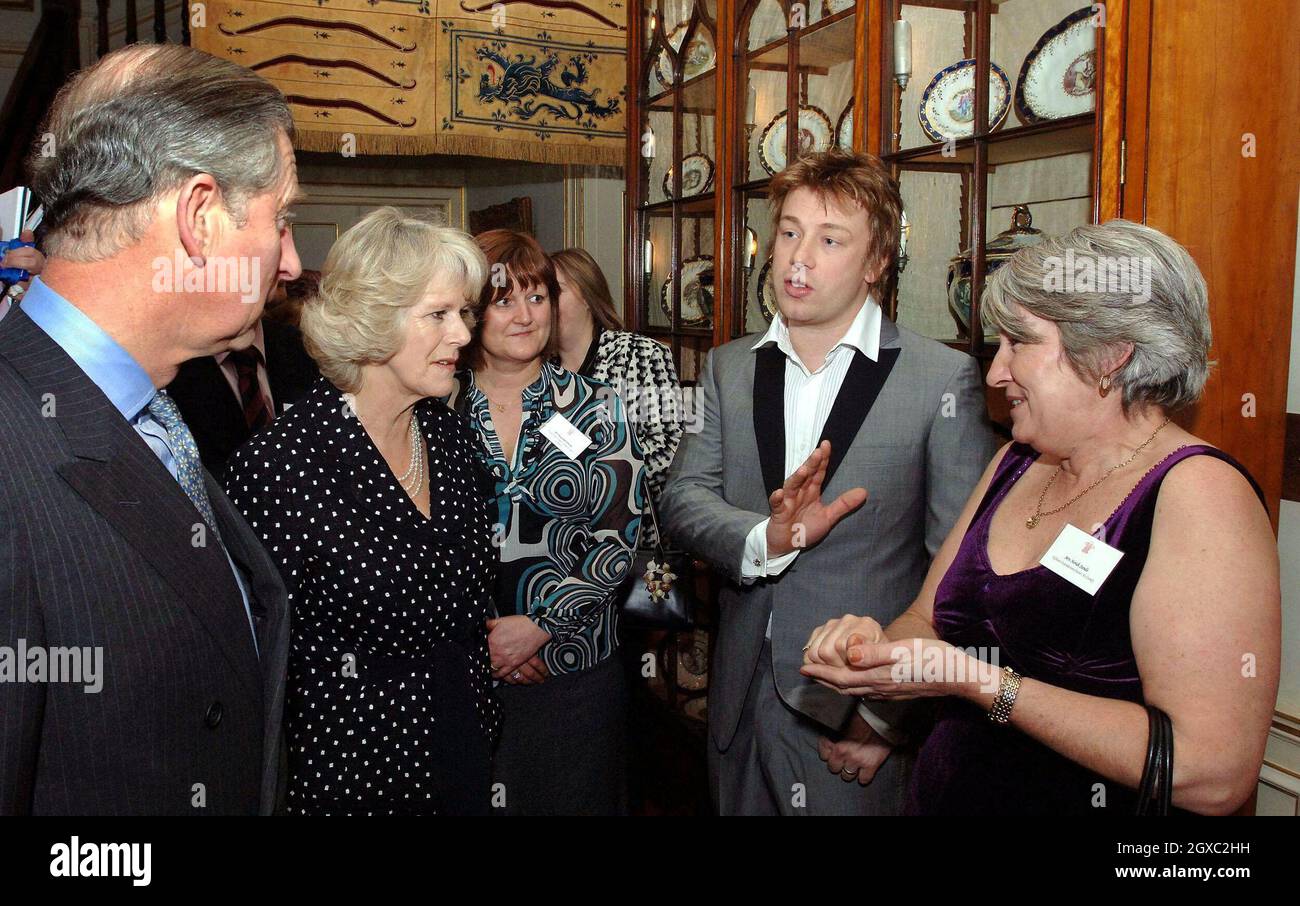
(814, 135)
(1059, 77)
(948, 104)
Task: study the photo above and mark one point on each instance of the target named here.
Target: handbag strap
(654, 519)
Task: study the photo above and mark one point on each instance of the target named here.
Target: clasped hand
(853, 656)
(513, 643)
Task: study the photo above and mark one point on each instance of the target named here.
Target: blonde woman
(368, 497)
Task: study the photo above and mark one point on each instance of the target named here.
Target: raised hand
(799, 518)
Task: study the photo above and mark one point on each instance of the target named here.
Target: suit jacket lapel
(862, 383)
(769, 414)
(117, 474)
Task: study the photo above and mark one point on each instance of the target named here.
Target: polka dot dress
(389, 706)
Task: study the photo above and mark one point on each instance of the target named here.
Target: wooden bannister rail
(53, 54)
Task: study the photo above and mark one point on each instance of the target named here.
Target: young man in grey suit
(166, 201)
(834, 397)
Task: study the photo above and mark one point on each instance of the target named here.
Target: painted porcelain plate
(700, 56)
(697, 176)
(767, 292)
(844, 128)
(697, 298)
(1059, 77)
(814, 135)
(948, 104)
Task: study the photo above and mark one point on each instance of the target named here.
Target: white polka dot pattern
(372, 584)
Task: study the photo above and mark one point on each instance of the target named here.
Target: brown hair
(525, 265)
(585, 274)
(858, 178)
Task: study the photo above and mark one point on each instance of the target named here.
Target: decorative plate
(700, 56)
(1059, 77)
(814, 135)
(831, 7)
(844, 128)
(766, 292)
(948, 104)
(697, 292)
(697, 176)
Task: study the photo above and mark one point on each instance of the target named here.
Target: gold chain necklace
(1032, 521)
(500, 407)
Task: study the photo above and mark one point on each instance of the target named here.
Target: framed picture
(515, 214)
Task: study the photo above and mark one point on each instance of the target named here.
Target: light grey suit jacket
(911, 428)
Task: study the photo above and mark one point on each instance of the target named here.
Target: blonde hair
(374, 273)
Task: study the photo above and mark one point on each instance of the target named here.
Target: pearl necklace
(413, 480)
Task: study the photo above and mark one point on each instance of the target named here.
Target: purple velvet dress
(1047, 629)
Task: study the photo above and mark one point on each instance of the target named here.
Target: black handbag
(657, 595)
(1157, 786)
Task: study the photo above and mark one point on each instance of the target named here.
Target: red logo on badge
(1087, 547)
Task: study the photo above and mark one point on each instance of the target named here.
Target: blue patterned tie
(189, 470)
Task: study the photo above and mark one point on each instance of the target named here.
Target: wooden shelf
(690, 206)
(827, 42)
(1035, 142)
(699, 95)
(823, 44)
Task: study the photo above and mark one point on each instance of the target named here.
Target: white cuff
(878, 723)
(754, 563)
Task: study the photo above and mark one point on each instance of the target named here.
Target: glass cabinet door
(974, 193)
(677, 169)
(796, 85)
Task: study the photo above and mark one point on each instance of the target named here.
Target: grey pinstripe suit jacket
(96, 550)
(910, 428)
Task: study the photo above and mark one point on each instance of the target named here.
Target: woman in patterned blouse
(593, 343)
(570, 488)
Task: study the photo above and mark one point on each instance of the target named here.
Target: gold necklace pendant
(1032, 521)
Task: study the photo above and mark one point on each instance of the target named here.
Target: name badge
(1081, 559)
(561, 432)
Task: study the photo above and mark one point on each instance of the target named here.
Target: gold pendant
(1032, 522)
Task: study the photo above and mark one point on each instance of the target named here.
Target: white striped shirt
(809, 396)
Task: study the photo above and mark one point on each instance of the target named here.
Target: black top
(389, 705)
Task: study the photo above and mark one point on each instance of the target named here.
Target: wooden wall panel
(1218, 73)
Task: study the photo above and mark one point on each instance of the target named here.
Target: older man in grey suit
(833, 397)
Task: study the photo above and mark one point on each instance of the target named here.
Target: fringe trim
(608, 152)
